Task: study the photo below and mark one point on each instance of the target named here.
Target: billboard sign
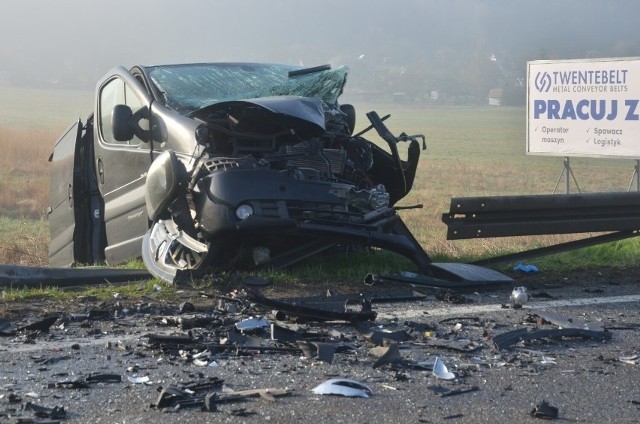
(585, 107)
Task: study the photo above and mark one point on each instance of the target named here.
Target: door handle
(100, 171)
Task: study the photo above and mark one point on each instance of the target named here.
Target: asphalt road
(586, 380)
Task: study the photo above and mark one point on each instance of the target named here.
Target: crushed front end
(278, 178)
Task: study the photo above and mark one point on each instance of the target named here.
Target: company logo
(543, 81)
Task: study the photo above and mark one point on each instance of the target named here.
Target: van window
(117, 92)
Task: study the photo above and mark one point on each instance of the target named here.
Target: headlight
(243, 212)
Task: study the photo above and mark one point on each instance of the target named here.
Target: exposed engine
(316, 145)
(279, 179)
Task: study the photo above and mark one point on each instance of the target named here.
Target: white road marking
(409, 312)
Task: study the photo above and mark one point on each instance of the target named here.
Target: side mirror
(350, 111)
(121, 120)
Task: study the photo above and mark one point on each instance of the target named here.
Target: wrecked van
(225, 165)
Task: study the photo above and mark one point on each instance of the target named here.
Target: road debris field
(388, 354)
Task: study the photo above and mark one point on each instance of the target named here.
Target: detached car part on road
(237, 165)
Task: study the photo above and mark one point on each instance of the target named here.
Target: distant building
(495, 96)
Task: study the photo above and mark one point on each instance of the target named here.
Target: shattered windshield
(186, 88)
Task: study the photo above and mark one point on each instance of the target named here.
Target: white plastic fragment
(343, 387)
(440, 370)
(547, 360)
(632, 359)
(252, 324)
(138, 380)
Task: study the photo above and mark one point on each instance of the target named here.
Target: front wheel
(168, 251)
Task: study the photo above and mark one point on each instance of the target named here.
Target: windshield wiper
(307, 71)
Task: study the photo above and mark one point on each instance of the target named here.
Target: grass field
(471, 151)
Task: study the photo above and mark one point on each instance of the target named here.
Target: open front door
(75, 212)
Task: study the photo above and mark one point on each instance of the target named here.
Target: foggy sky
(76, 41)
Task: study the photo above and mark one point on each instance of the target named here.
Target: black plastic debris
(420, 327)
(293, 309)
(171, 396)
(386, 355)
(541, 295)
(458, 345)
(43, 325)
(545, 411)
(186, 307)
(69, 384)
(44, 360)
(103, 314)
(378, 336)
(569, 327)
(210, 402)
(453, 417)
(320, 350)
(245, 349)
(451, 296)
(240, 412)
(170, 341)
(510, 338)
(55, 413)
(30, 412)
(188, 394)
(207, 394)
(6, 328)
(438, 390)
(446, 276)
(445, 392)
(291, 335)
(460, 318)
(339, 301)
(86, 382)
(255, 281)
(238, 339)
(104, 378)
(268, 394)
(188, 322)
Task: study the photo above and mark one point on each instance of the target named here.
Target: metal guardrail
(615, 214)
(18, 276)
(505, 216)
